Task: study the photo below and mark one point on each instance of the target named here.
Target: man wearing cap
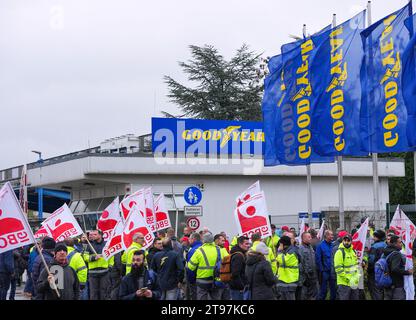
(203, 263)
(376, 251)
(65, 278)
(346, 269)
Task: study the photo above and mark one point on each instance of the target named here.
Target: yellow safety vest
(346, 267)
(203, 261)
(270, 257)
(272, 242)
(78, 265)
(288, 267)
(127, 257)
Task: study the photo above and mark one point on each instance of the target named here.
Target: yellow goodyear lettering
(339, 73)
(392, 62)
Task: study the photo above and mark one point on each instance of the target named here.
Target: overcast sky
(76, 72)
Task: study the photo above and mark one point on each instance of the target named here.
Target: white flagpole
(339, 166)
(376, 186)
(308, 173)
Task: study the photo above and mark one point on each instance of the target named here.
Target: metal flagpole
(376, 186)
(339, 166)
(308, 172)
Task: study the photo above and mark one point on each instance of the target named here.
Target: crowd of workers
(204, 266)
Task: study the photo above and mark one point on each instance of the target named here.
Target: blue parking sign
(192, 195)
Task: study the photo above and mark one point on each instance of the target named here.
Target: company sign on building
(191, 136)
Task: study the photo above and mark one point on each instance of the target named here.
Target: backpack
(382, 272)
(225, 269)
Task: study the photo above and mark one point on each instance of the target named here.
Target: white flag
(302, 229)
(398, 223)
(252, 216)
(409, 285)
(358, 240)
(14, 228)
(162, 214)
(114, 244)
(249, 193)
(136, 223)
(150, 210)
(136, 199)
(320, 234)
(109, 219)
(62, 224)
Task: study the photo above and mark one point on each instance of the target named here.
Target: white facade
(97, 176)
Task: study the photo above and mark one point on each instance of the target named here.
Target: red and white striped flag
(15, 231)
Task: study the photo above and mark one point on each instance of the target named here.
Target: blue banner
(214, 137)
(409, 81)
(383, 113)
(335, 79)
(272, 98)
(293, 138)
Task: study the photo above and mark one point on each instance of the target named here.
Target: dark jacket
(98, 247)
(238, 268)
(131, 283)
(20, 264)
(38, 265)
(323, 256)
(260, 276)
(32, 258)
(396, 263)
(335, 246)
(308, 262)
(151, 253)
(376, 251)
(70, 288)
(168, 265)
(7, 262)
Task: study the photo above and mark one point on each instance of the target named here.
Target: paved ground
(19, 293)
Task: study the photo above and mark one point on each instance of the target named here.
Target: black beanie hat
(285, 240)
(48, 243)
(60, 247)
(380, 234)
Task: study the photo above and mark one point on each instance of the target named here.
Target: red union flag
(358, 240)
(62, 224)
(252, 217)
(135, 199)
(14, 229)
(115, 244)
(150, 212)
(135, 223)
(162, 215)
(398, 224)
(249, 193)
(109, 219)
(41, 233)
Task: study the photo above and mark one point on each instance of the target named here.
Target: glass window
(73, 205)
(172, 217)
(93, 205)
(80, 220)
(81, 206)
(90, 221)
(104, 204)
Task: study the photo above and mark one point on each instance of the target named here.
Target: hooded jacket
(7, 262)
(131, 283)
(396, 263)
(38, 265)
(260, 276)
(70, 288)
(238, 268)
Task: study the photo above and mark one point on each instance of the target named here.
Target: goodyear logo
(231, 133)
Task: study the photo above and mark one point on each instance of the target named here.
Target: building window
(81, 206)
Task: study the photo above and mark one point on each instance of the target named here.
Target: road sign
(192, 211)
(193, 223)
(315, 215)
(192, 195)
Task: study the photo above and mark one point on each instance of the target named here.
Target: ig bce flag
(383, 113)
(335, 80)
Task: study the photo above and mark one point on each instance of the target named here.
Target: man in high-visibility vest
(256, 239)
(288, 269)
(203, 261)
(219, 241)
(76, 262)
(98, 276)
(137, 244)
(346, 269)
(273, 240)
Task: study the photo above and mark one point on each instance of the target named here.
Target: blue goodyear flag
(293, 130)
(335, 79)
(409, 81)
(383, 113)
(272, 98)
